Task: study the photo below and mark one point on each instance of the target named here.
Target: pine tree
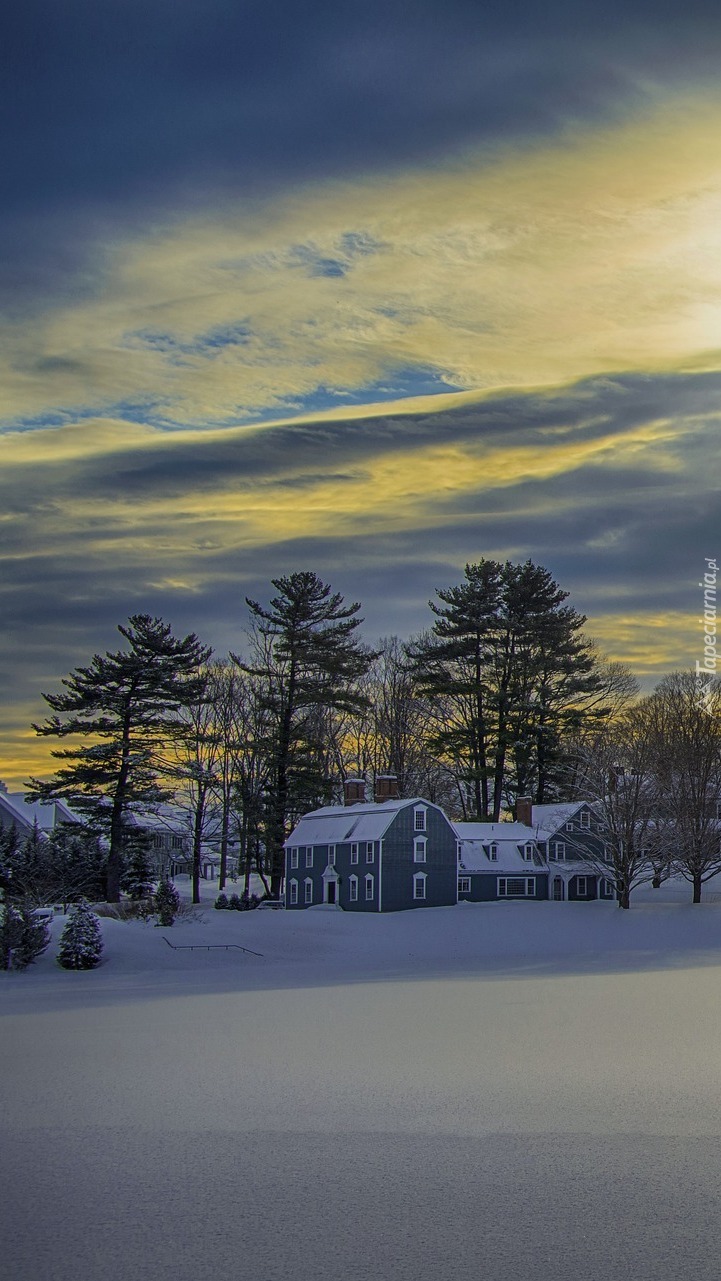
(137, 880)
(123, 707)
(508, 672)
(34, 937)
(81, 942)
(11, 933)
(308, 658)
(167, 902)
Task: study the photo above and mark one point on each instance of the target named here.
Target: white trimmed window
(558, 851)
(419, 849)
(419, 885)
(370, 886)
(464, 884)
(293, 892)
(419, 819)
(331, 855)
(370, 851)
(516, 886)
(527, 852)
(584, 820)
(606, 853)
(569, 825)
(493, 852)
(582, 886)
(607, 888)
(309, 855)
(308, 890)
(294, 859)
(354, 852)
(353, 885)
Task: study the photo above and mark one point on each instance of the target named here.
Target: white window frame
(528, 852)
(464, 884)
(559, 852)
(308, 892)
(419, 818)
(419, 849)
(294, 858)
(584, 821)
(354, 852)
(493, 852)
(331, 855)
(370, 884)
(529, 883)
(582, 881)
(309, 855)
(569, 825)
(419, 883)
(353, 889)
(293, 893)
(606, 888)
(370, 852)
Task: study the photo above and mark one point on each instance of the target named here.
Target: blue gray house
(499, 861)
(570, 838)
(384, 856)
(551, 852)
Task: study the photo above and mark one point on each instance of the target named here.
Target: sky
(374, 291)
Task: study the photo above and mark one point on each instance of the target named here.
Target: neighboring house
(169, 840)
(570, 839)
(24, 815)
(382, 856)
(499, 861)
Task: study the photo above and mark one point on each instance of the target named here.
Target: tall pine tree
(307, 657)
(506, 668)
(123, 707)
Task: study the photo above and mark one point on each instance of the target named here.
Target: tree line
(502, 695)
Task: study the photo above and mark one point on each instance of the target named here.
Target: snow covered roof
(333, 824)
(47, 814)
(548, 818)
(509, 838)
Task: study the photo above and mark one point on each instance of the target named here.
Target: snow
(506, 1090)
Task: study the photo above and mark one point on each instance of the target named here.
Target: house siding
(484, 886)
(399, 867)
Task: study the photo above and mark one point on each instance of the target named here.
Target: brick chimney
(386, 787)
(354, 791)
(524, 810)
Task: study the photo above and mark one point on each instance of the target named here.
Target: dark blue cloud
(113, 114)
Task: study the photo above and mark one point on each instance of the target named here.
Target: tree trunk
(696, 887)
(197, 844)
(223, 873)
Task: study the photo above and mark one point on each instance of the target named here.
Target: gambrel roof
(367, 821)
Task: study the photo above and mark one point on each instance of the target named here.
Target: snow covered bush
(23, 936)
(234, 903)
(81, 942)
(222, 901)
(167, 902)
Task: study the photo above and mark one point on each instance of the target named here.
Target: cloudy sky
(369, 289)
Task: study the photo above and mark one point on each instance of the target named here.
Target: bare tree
(615, 772)
(687, 752)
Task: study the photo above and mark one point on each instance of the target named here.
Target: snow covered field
(498, 1091)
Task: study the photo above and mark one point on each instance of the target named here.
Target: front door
(557, 889)
(331, 891)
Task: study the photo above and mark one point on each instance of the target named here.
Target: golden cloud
(598, 252)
